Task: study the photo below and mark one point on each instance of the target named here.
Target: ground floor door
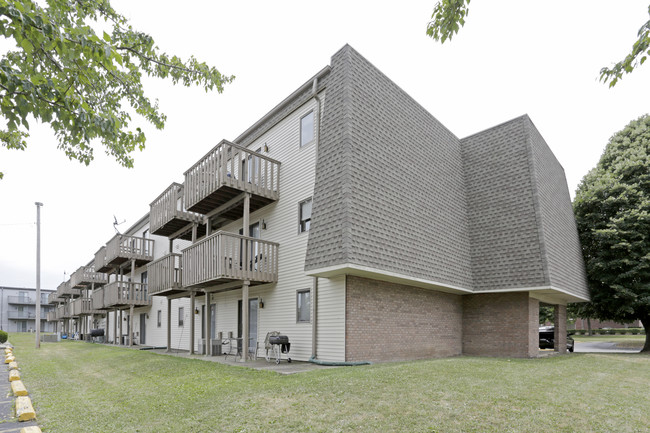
(143, 328)
(252, 322)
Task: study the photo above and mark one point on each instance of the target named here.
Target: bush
(4, 336)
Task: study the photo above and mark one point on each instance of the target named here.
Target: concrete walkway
(283, 367)
(8, 421)
(601, 347)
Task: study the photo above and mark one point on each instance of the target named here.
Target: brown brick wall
(500, 324)
(391, 322)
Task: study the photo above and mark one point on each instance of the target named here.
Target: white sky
(512, 57)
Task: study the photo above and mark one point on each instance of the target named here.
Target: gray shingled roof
(398, 192)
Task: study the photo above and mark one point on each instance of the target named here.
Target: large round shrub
(4, 336)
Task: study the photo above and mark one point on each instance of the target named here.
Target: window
(305, 215)
(159, 321)
(180, 316)
(303, 307)
(307, 128)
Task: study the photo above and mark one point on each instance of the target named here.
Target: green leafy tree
(77, 65)
(612, 208)
(449, 16)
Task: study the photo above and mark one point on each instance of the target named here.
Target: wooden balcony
(85, 276)
(121, 249)
(51, 316)
(224, 173)
(65, 290)
(219, 259)
(83, 307)
(54, 298)
(168, 214)
(165, 275)
(120, 294)
(63, 311)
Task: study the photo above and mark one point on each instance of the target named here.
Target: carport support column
(169, 324)
(192, 320)
(207, 318)
(559, 322)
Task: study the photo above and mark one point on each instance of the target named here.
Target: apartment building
(351, 220)
(18, 309)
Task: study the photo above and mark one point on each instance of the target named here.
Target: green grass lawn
(622, 341)
(82, 387)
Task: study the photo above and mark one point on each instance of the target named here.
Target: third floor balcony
(215, 182)
(122, 249)
(169, 215)
(85, 276)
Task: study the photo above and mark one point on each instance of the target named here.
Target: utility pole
(38, 274)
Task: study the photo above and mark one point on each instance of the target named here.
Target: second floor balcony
(226, 257)
(85, 276)
(165, 275)
(26, 315)
(169, 215)
(51, 316)
(63, 311)
(214, 183)
(83, 307)
(120, 294)
(121, 249)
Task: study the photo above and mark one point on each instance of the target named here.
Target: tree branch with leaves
(62, 72)
(449, 16)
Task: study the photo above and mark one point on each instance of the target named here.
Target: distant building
(18, 309)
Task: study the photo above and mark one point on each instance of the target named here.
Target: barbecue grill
(275, 345)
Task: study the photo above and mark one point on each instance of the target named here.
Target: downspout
(314, 289)
(314, 294)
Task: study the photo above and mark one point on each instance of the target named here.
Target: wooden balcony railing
(86, 275)
(51, 316)
(225, 172)
(168, 212)
(165, 275)
(82, 307)
(63, 311)
(121, 294)
(123, 248)
(65, 290)
(220, 258)
(97, 299)
(53, 298)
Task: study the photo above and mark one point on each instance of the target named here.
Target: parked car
(547, 339)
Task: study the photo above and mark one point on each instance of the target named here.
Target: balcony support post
(192, 306)
(132, 300)
(195, 228)
(207, 318)
(244, 315)
(121, 320)
(244, 304)
(169, 325)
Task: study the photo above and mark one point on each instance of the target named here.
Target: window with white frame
(307, 128)
(304, 211)
(181, 314)
(159, 320)
(303, 306)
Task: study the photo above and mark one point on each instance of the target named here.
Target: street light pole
(38, 274)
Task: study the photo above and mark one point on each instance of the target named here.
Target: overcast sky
(512, 57)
